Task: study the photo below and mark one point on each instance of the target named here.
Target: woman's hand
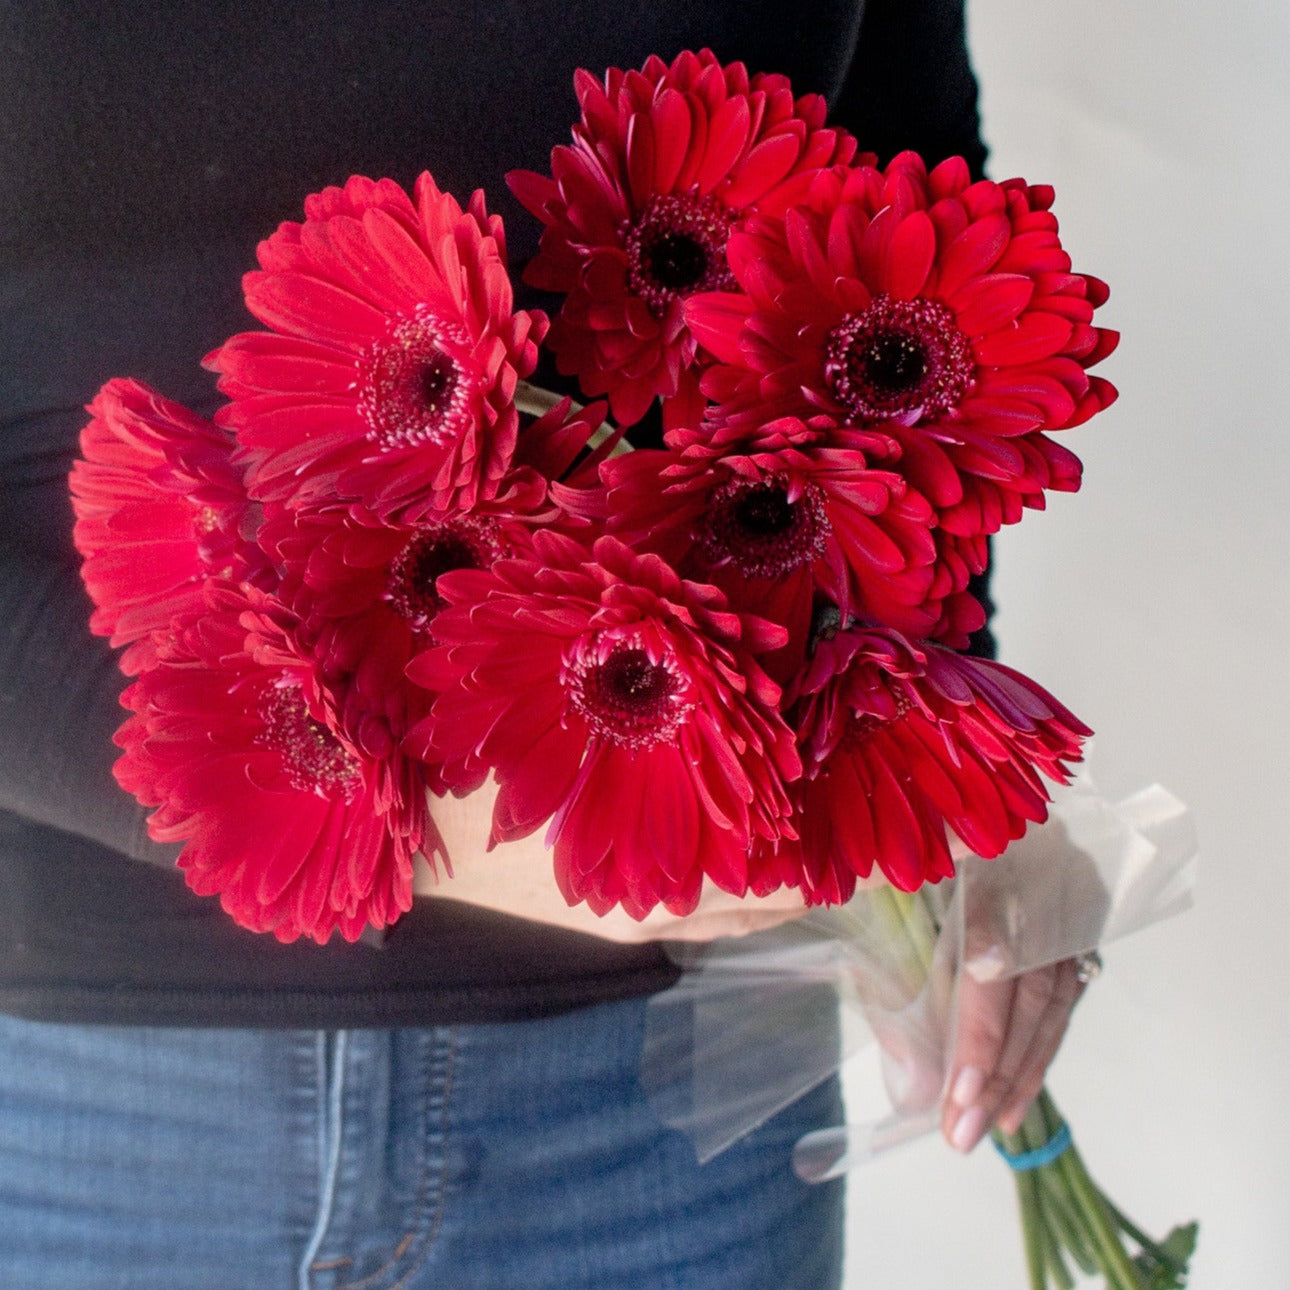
(1008, 1034)
(516, 878)
(1008, 1031)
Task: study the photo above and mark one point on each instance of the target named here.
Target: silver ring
(1088, 966)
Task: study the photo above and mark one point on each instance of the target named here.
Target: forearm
(59, 708)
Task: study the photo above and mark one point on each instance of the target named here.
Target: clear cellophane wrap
(756, 1022)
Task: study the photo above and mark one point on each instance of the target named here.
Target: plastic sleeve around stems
(755, 1023)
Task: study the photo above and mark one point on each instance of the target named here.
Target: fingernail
(967, 1132)
(968, 1086)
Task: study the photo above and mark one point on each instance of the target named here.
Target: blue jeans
(468, 1157)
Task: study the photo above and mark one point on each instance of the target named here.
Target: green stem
(536, 402)
(918, 923)
(905, 917)
(1032, 1233)
(1157, 1252)
(1038, 1242)
(1118, 1268)
(1052, 1247)
(1061, 1215)
(1058, 1204)
(1097, 1223)
(927, 925)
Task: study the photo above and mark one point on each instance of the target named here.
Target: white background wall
(1154, 602)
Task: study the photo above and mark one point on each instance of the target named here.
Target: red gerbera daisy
(942, 310)
(638, 210)
(366, 588)
(781, 522)
(366, 591)
(605, 692)
(558, 443)
(159, 508)
(242, 751)
(898, 741)
(389, 373)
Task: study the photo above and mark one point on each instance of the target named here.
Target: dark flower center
(898, 358)
(676, 262)
(677, 247)
(895, 363)
(625, 693)
(756, 526)
(468, 542)
(413, 387)
(438, 383)
(314, 760)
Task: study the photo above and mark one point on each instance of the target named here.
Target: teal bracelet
(1025, 1161)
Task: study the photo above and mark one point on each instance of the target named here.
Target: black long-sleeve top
(144, 150)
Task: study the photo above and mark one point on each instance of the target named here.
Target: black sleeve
(59, 708)
(911, 86)
(911, 83)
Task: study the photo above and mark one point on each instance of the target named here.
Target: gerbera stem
(535, 402)
(911, 931)
(1059, 1209)
(1153, 1248)
(1031, 1233)
(1098, 1222)
(1062, 1219)
(919, 924)
(1052, 1244)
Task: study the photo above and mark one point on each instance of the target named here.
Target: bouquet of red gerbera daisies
(391, 567)
(729, 657)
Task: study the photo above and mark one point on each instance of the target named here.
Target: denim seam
(331, 1097)
(445, 1130)
(423, 1202)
